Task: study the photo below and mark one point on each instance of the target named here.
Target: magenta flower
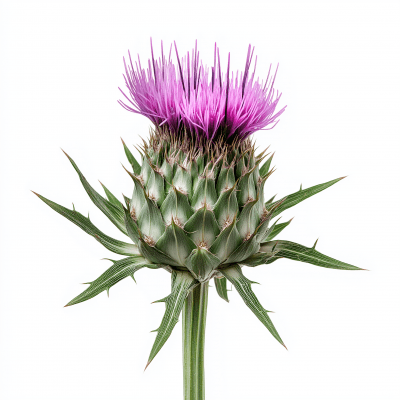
(208, 106)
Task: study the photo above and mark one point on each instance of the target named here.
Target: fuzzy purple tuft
(210, 107)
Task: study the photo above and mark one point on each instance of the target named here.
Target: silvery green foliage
(200, 215)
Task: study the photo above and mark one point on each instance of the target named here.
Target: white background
(60, 66)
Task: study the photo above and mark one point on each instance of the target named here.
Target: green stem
(194, 327)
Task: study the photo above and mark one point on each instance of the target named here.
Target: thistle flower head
(206, 104)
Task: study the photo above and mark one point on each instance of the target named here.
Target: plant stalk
(194, 327)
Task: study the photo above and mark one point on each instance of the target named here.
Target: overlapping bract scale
(199, 214)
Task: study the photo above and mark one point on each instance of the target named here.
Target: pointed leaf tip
(299, 196)
(243, 286)
(65, 152)
(298, 252)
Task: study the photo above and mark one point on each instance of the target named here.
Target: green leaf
(175, 243)
(119, 270)
(112, 212)
(276, 229)
(220, 285)
(243, 286)
(202, 263)
(268, 202)
(111, 198)
(264, 170)
(299, 196)
(116, 246)
(305, 254)
(182, 283)
(132, 160)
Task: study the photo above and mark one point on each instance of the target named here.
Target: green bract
(200, 214)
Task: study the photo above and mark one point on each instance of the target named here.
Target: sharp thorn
(65, 153)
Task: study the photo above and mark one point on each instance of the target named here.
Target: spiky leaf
(220, 285)
(264, 170)
(182, 283)
(243, 286)
(119, 270)
(305, 254)
(132, 160)
(116, 246)
(112, 212)
(276, 229)
(111, 198)
(302, 194)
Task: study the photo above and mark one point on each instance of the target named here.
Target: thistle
(198, 208)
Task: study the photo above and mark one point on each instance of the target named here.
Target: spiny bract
(199, 214)
(198, 207)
